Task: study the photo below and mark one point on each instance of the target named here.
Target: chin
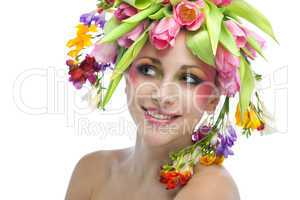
(156, 131)
(158, 136)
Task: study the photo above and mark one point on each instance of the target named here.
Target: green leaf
(117, 32)
(143, 14)
(231, 15)
(228, 41)
(111, 88)
(255, 45)
(117, 3)
(247, 85)
(130, 55)
(104, 4)
(213, 18)
(247, 52)
(199, 44)
(243, 9)
(111, 24)
(175, 2)
(168, 11)
(113, 84)
(140, 4)
(124, 62)
(158, 15)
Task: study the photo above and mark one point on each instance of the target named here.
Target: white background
(45, 128)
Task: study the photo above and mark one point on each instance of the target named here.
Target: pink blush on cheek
(133, 75)
(202, 94)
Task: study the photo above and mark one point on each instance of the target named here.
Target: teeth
(159, 116)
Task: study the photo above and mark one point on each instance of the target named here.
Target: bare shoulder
(90, 171)
(212, 182)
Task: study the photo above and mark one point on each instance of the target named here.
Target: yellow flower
(256, 123)
(83, 29)
(74, 53)
(250, 118)
(207, 159)
(82, 39)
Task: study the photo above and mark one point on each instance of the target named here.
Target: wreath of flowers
(215, 35)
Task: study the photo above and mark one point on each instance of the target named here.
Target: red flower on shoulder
(172, 179)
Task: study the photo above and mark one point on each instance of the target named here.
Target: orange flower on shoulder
(208, 159)
(219, 160)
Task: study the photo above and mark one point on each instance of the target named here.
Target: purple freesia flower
(200, 133)
(226, 141)
(103, 66)
(99, 20)
(89, 18)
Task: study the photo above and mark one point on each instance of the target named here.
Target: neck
(144, 161)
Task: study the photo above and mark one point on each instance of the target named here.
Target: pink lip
(162, 113)
(159, 122)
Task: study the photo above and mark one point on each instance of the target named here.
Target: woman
(168, 92)
(132, 173)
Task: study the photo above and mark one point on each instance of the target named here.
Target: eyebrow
(157, 61)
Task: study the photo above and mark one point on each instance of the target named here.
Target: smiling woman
(162, 88)
(198, 55)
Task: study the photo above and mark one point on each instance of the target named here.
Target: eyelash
(196, 79)
(142, 67)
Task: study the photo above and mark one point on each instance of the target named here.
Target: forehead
(176, 56)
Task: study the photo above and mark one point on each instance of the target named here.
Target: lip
(159, 122)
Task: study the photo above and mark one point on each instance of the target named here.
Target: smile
(153, 116)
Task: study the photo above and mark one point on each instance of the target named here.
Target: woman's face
(168, 91)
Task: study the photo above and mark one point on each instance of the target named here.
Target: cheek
(202, 94)
(133, 75)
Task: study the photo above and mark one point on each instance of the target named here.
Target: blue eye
(192, 79)
(146, 69)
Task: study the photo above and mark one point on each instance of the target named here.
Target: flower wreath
(226, 44)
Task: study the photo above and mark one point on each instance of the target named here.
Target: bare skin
(133, 173)
(96, 177)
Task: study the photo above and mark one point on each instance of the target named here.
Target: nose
(165, 95)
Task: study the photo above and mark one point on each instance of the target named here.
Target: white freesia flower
(269, 120)
(92, 97)
(214, 139)
(196, 155)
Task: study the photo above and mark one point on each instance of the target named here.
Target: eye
(191, 79)
(146, 69)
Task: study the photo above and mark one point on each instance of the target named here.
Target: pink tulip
(225, 61)
(188, 14)
(227, 65)
(259, 40)
(222, 2)
(125, 11)
(237, 32)
(163, 33)
(127, 40)
(104, 53)
(229, 83)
